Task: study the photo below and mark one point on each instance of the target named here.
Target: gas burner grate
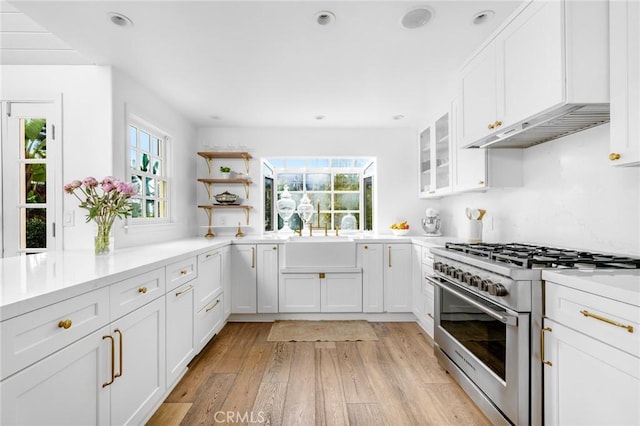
(531, 256)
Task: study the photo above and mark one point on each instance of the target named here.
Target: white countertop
(616, 284)
(31, 282)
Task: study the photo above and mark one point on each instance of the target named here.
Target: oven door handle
(505, 319)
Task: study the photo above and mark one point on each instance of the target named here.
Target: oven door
(488, 343)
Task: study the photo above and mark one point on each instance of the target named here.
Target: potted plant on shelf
(225, 171)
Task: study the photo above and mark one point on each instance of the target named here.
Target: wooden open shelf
(209, 208)
(211, 181)
(210, 156)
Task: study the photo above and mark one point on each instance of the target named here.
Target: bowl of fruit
(400, 228)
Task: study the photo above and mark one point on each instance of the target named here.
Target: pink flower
(70, 187)
(125, 188)
(90, 182)
(108, 186)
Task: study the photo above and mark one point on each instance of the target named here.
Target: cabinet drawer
(179, 273)
(137, 291)
(209, 321)
(427, 257)
(596, 316)
(31, 337)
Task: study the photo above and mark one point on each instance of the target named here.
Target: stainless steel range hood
(554, 124)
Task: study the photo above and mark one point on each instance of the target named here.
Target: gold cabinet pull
(321, 275)
(274, 248)
(430, 316)
(65, 324)
(113, 361)
(498, 123)
(253, 257)
(183, 272)
(549, 363)
(212, 254)
(614, 156)
(607, 320)
(120, 352)
(214, 305)
(142, 290)
(480, 182)
(180, 293)
(491, 126)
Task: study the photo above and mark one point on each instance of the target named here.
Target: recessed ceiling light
(417, 18)
(325, 17)
(120, 20)
(398, 117)
(482, 17)
(320, 117)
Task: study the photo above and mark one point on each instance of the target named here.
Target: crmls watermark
(238, 417)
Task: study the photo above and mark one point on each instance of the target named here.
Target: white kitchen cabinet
(624, 44)
(371, 260)
(209, 321)
(321, 292)
(550, 54)
(65, 388)
(226, 281)
(397, 278)
(422, 294)
(180, 329)
(140, 367)
(243, 279)
(183, 271)
(416, 290)
(267, 277)
(591, 358)
(209, 283)
(434, 157)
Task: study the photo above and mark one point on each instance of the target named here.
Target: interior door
(28, 179)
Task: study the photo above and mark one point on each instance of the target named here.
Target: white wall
(394, 149)
(572, 197)
(86, 125)
(130, 96)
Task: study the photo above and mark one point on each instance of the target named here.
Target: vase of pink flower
(105, 201)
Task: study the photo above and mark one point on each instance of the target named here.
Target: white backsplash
(572, 197)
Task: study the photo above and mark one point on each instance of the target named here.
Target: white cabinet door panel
(341, 292)
(299, 293)
(371, 259)
(209, 282)
(267, 278)
(243, 279)
(180, 330)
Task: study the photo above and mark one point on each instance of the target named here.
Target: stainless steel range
(488, 319)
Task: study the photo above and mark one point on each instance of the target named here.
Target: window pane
(137, 182)
(293, 181)
(133, 136)
(318, 182)
(145, 141)
(342, 162)
(144, 163)
(156, 167)
(347, 182)
(162, 189)
(339, 217)
(155, 143)
(35, 183)
(132, 158)
(136, 207)
(35, 138)
(324, 218)
(162, 209)
(322, 197)
(35, 228)
(150, 208)
(347, 202)
(318, 163)
(149, 187)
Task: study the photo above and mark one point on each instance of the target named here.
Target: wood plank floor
(241, 378)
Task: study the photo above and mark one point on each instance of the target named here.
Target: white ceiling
(263, 63)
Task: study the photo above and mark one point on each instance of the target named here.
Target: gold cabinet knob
(183, 272)
(498, 123)
(366, 247)
(480, 182)
(142, 290)
(65, 324)
(491, 126)
(614, 156)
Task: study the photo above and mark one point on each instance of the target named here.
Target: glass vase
(103, 241)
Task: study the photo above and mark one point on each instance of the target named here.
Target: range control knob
(438, 266)
(497, 289)
(484, 285)
(466, 278)
(475, 281)
(457, 274)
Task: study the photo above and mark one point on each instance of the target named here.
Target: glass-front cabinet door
(435, 157)
(425, 161)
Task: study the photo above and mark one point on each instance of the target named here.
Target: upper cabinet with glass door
(435, 158)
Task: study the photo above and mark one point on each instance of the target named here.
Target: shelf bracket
(245, 156)
(209, 233)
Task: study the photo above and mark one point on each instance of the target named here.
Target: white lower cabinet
(267, 277)
(209, 282)
(140, 379)
(371, 259)
(591, 359)
(321, 292)
(243, 279)
(65, 388)
(209, 320)
(226, 281)
(180, 330)
(397, 278)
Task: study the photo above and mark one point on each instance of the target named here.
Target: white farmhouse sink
(327, 252)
